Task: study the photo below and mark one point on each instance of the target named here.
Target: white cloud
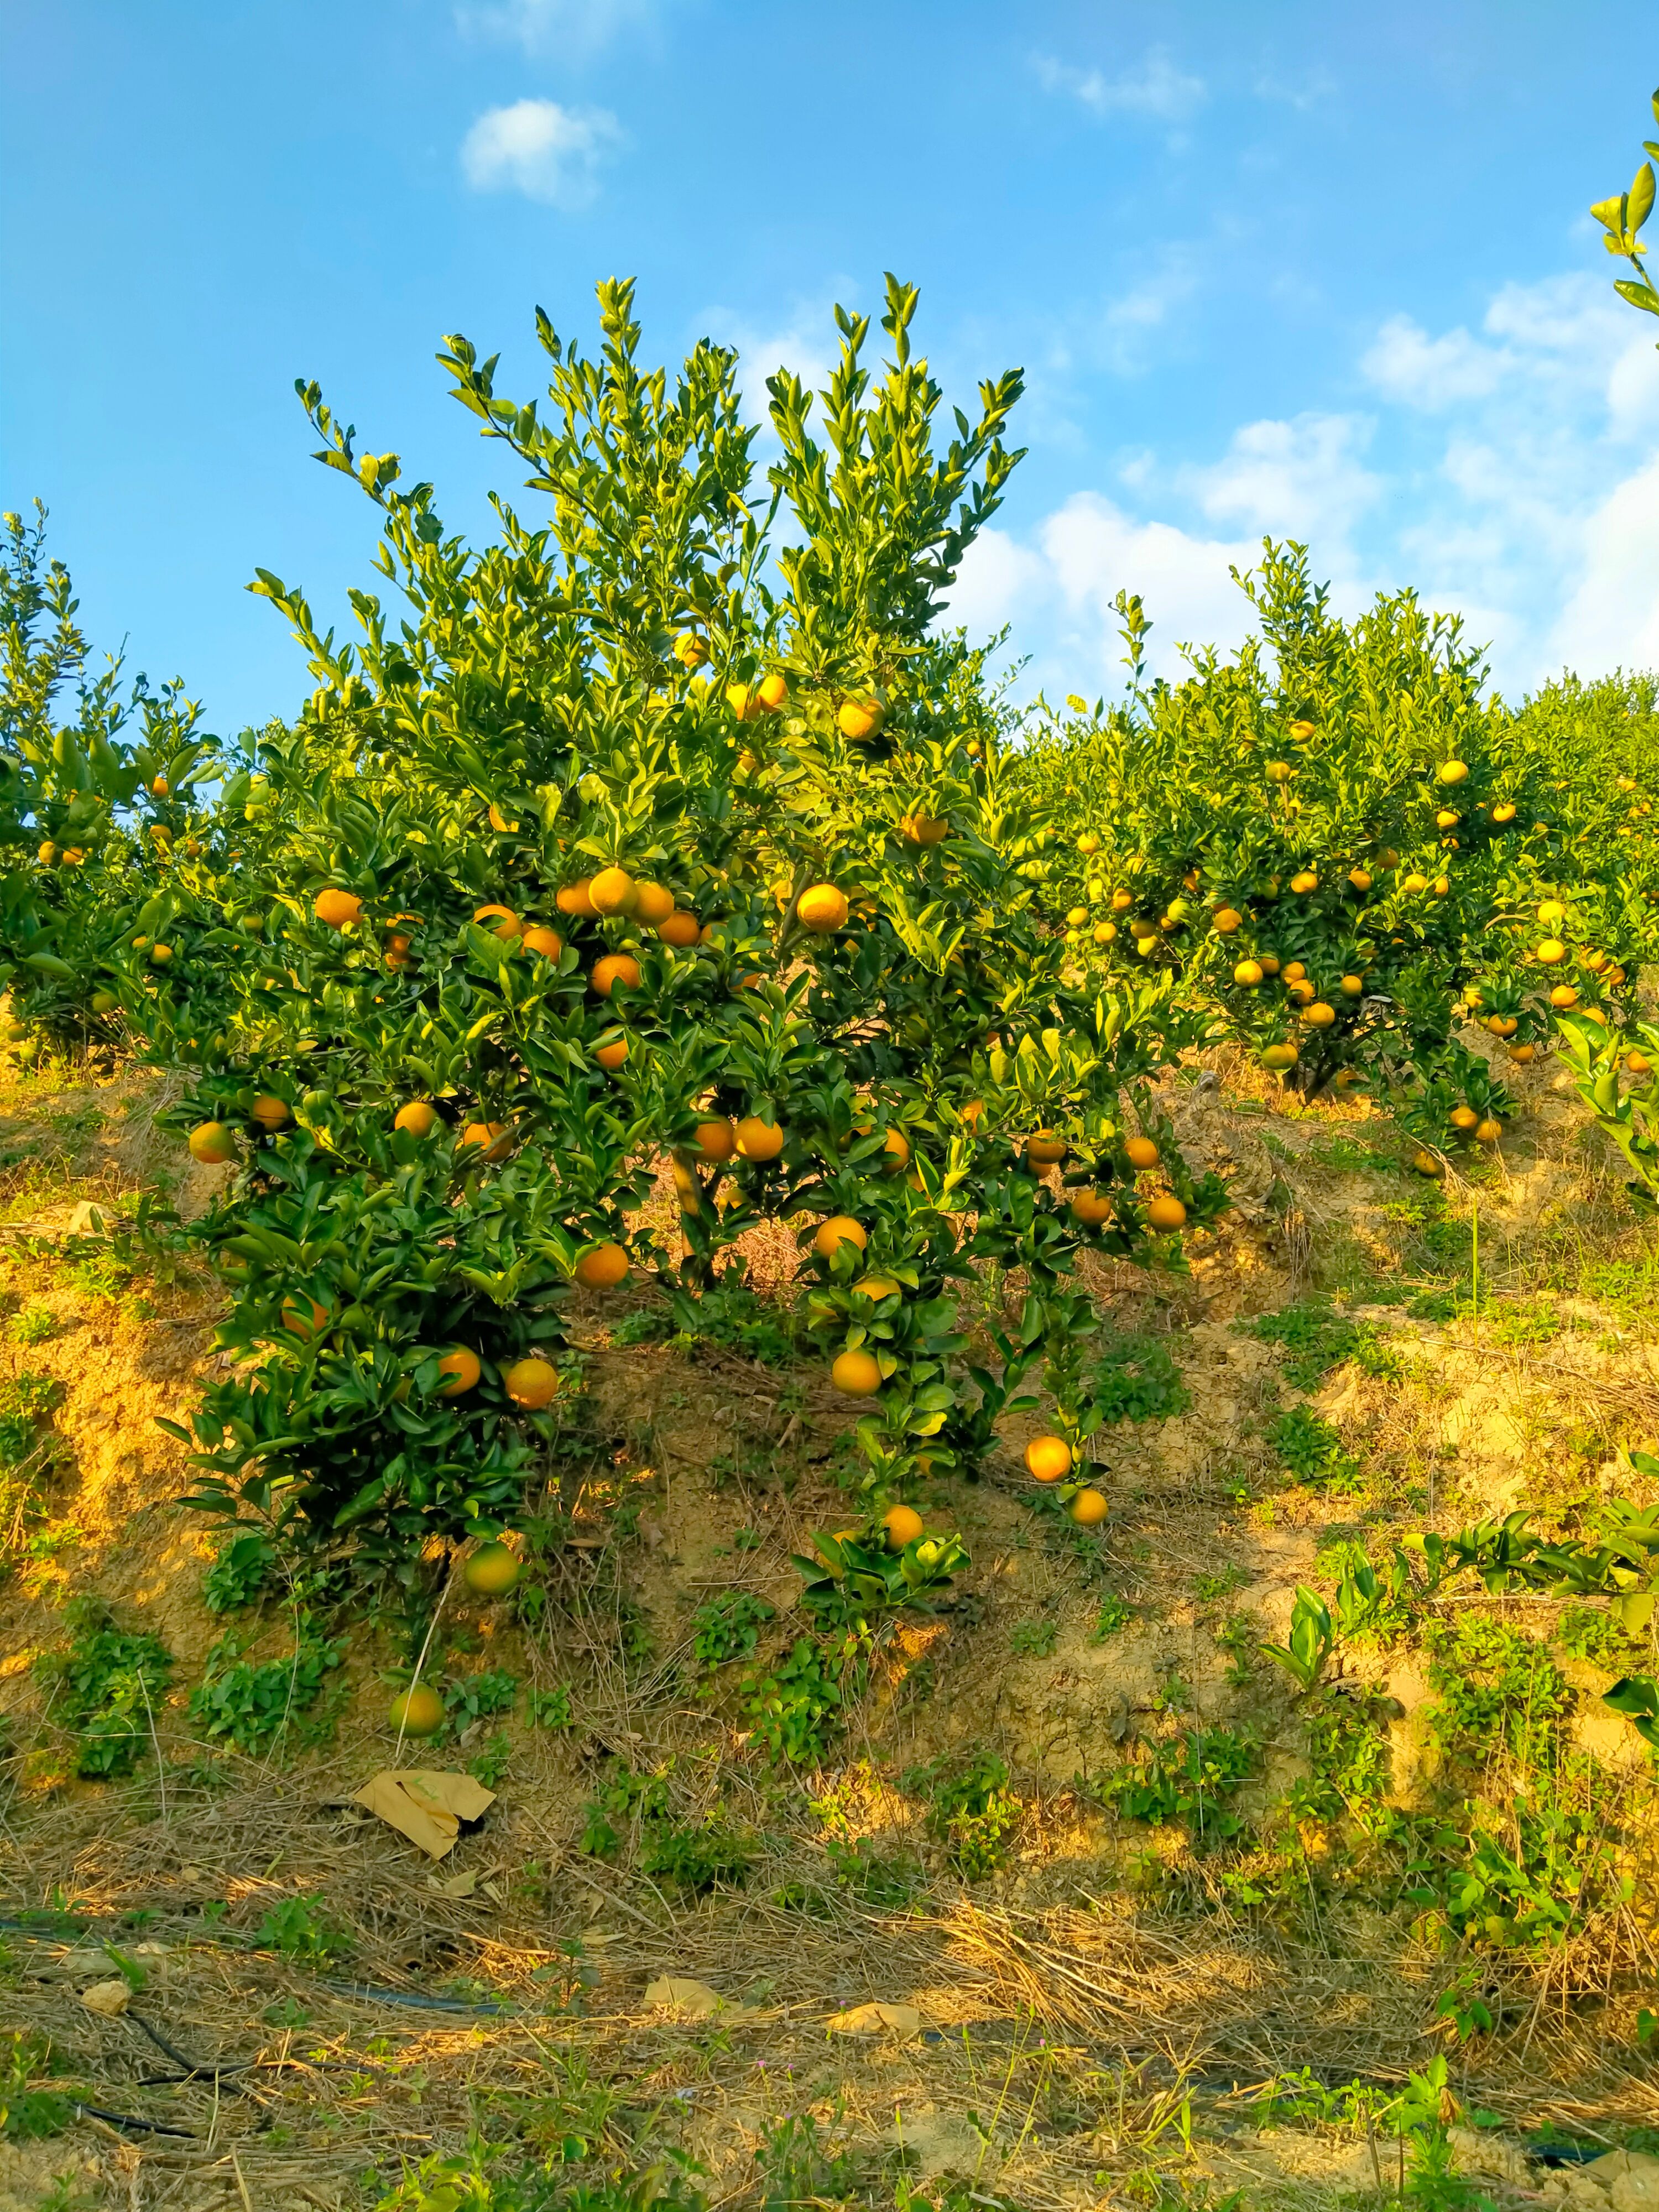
(559, 27)
(1406, 365)
(1153, 87)
(1300, 479)
(549, 153)
(806, 343)
(1611, 618)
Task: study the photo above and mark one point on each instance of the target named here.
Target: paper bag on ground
(427, 1809)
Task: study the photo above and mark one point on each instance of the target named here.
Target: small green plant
(1112, 1618)
(1207, 1587)
(242, 1572)
(33, 1324)
(285, 2013)
(488, 1763)
(971, 1808)
(108, 1686)
(258, 1707)
(1310, 1450)
(795, 1708)
(27, 1404)
(300, 1930)
(1303, 1658)
(1137, 1379)
(1314, 1337)
(478, 1697)
(728, 1628)
(29, 2110)
(551, 1709)
(859, 1583)
(1034, 1640)
(1188, 1777)
(695, 1854)
(1589, 1633)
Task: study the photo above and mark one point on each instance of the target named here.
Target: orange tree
(85, 811)
(1335, 839)
(652, 830)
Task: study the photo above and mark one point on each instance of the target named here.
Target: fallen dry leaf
(677, 1993)
(901, 2020)
(427, 1809)
(457, 1885)
(109, 2000)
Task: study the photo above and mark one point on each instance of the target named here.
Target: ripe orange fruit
(859, 719)
(1122, 900)
(903, 1525)
(1453, 771)
(1440, 886)
(1091, 1207)
(1166, 1212)
(418, 1711)
(539, 938)
(1463, 1117)
(304, 1320)
(1353, 986)
(822, 909)
(501, 922)
(575, 898)
(47, 854)
(1048, 1458)
(1279, 771)
(615, 970)
(679, 928)
(895, 1150)
(743, 703)
(1427, 1165)
(160, 954)
(269, 1111)
(1319, 1015)
(690, 650)
(1226, 920)
(1303, 881)
(160, 786)
(1521, 1054)
(1414, 884)
(462, 1367)
(610, 1056)
(1639, 1063)
(498, 820)
(1360, 878)
(212, 1143)
(396, 953)
(1089, 1509)
(1295, 972)
(602, 1267)
(1045, 1149)
(1279, 1055)
(759, 1139)
(531, 1382)
(652, 904)
(491, 1138)
(1489, 1131)
(612, 891)
(772, 691)
(1550, 952)
(840, 1228)
(1563, 994)
(714, 1139)
(1249, 973)
(856, 1375)
(1504, 811)
(492, 1570)
(1141, 1152)
(1269, 962)
(337, 908)
(1446, 819)
(418, 1117)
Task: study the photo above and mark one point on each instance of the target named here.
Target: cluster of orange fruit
(1049, 1459)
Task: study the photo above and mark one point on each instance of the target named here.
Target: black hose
(417, 2000)
(131, 2120)
(194, 2071)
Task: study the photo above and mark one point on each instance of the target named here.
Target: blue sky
(1322, 271)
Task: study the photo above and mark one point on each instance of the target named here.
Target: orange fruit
(616, 968)
(840, 1228)
(1045, 1149)
(896, 1149)
(212, 1143)
(1269, 962)
(1279, 1055)
(418, 1711)
(602, 1267)
(396, 954)
(1279, 771)
(1048, 1458)
(337, 908)
(610, 1056)
(418, 1117)
(1463, 1117)
(1353, 986)
(1504, 811)
(1248, 973)
(304, 1320)
(1141, 1152)
(1360, 878)
(500, 920)
(160, 786)
(772, 691)
(1122, 901)
(1166, 1212)
(1563, 994)
(903, 1525)
(1226, 920)
(490, 1138)
(856, 1375)
(876, 1287)
(575, 898)
(1427, 1165)
(531, 1382)
(652, 904)
(679, 928)
(1639, 1063)
(269, 1111)
(1489, 1131)
(758, 1138)
(1550, 952)
(1089, 1509)
(1091, 1207)
(463, 1366)
(498, 820)
(1319, 1015)
(822, 908)
(1295, 972)
(492, 1570)
(1303, 881)
(859, 719)
(539, 938)
(611, 891)
(714, 1140)
(1453, 771)
(690, 650)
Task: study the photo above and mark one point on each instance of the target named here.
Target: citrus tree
(666, 831)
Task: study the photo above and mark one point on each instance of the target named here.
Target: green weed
(108, 1686)
(1034, 1640)
(970, 1807)
(1188, 1777)
(728, 1628)
(242, 1572)
(1310, 1450)
(258, 1707)
(300, 1930)
(795, 1708)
